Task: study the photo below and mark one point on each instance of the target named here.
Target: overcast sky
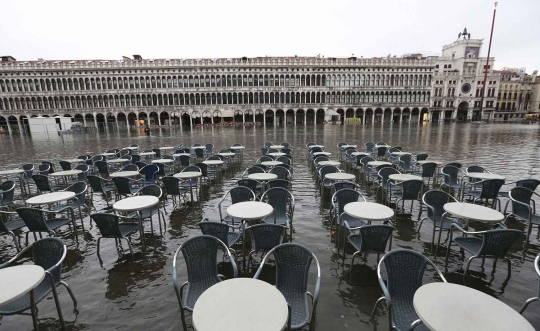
(108, 29)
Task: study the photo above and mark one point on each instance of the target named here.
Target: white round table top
(360, 153)
(66, 173)
(322, 153)
(124, 174)
(447, 306)
(132, 148)
(369, 211)
(213, 162)
(53, 197)
(118, 161)
(181, 154)
(147, 153)
(163, 161)
(400, 153)
(276, 154)
(74, 160)
(237, 147)
(262, 176)
(277, 146)
(316, 146)
(188, 174)
(473, 212)
(18, 280)
(263, 307)
(136, 203)
(226, 154)
(108, 154)
(197, 147)
(430, 161)
(377, 146)
(329, 163)
(347, 146)
(340, 176)
(484, 175)
(404, 177)
(166, 148)
(271, 163)
(378, 163)
(11, 172)
(250, 210)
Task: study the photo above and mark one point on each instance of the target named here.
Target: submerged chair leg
(467, 268)
(527, 303)
(58, 308)
(70, 293)
(381, 299)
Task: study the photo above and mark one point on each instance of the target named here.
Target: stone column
(244, 117)
(305, 118)
(373, 118)
(275, 118)
(364, 119)
(294, 118)
(95, 120)
(264, 119)
(84, 119)
(253, 118)
(20, 125)
(382, 118)
(285, 119)
(400, 118)
(190, 122)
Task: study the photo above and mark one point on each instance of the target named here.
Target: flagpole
(486, 69)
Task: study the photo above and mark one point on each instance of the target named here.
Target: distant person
(147, 130)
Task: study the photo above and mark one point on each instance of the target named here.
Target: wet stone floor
(116, 293)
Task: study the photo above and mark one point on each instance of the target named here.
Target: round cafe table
(400, 153)
(430, 161)
(369, 211)
(133, 148)
(340, 176)
(17, 281)
(48, 198)
(250, 210)
(197, 147)
(163, 161)
(360, 154)
(108, 154)
(263, 176)
(136, 204)
(236, 147)
(118, 161)
(166, 148)
(403, 177)
(11, 172)
(322, 153)
(277, 146)
(65, 174)
(226, 154)
(451, 307)
(316, 146)
(329, 163)
(347, 146)
(147, 154)
(263, 307)
(213, 162)
(484, 175)
(276, 154)
(181, 154)
(188, 175)
(74, 160)
(473, 212)
(124, 174)
(378, 163)
(271, 163)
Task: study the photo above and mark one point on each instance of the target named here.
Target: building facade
(535, 95)
(515, 93)
(458, 80)
(187, 92)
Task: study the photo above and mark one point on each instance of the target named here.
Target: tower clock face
(466, 88)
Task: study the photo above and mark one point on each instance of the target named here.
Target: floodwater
(121, 294)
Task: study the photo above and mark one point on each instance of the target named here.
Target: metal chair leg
(58, 308)
(527, 303)
(70, 293)
(381, 299)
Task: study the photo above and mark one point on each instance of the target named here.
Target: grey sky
(108, 29)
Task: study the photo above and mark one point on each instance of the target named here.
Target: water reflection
(138, 295)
